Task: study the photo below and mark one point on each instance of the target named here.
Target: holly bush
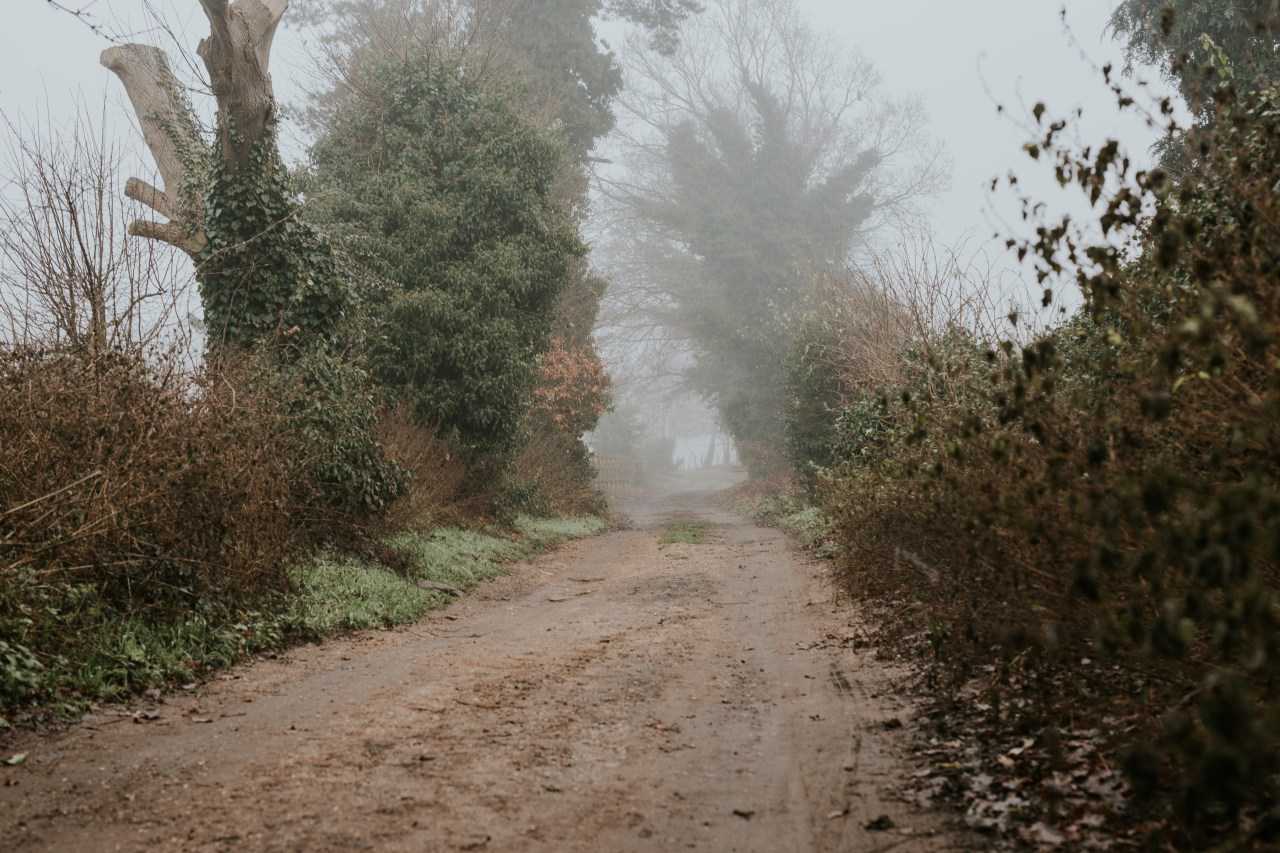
(444, 193)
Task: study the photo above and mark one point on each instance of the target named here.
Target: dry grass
(437, 475)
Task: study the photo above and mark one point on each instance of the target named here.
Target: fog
(962, 59)
(960, 62)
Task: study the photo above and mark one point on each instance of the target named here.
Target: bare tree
(759, 155)
(69, 276)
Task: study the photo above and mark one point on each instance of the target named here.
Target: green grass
(342, 594)
(796, 516)
(336, 594)
(684, 533)
(332, 594)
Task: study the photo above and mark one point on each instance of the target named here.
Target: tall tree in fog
(551, 46)
(758, 154)
(555, 41)
(452, 143)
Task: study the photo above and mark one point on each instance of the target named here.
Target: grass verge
(684, 533)
(795, 516)
(331, 594)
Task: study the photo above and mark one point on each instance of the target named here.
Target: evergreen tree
(1198, 42)
(444, 195)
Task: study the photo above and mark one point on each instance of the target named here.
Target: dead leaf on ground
(745, 814)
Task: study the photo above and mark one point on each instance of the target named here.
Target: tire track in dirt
(617, 695)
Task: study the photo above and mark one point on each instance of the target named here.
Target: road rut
(615, 695)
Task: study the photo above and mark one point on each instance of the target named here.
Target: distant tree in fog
(551, 46)
(758, 153)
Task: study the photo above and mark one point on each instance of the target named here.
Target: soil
(615, 695)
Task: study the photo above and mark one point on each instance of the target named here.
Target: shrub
(444, 194)
(127, 473)
(340, 470)
(1113, 485)
(435, 474)
(127, 487)
(553, 475)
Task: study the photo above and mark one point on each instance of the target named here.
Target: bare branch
(169, 232)
(154, 198)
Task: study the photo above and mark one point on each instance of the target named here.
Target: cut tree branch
(171, 233)
(153, 197)
(173, 137)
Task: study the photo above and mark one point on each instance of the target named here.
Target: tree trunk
(237, 55)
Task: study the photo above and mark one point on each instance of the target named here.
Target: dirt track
(616, 695)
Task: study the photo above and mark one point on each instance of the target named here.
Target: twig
(65, 488)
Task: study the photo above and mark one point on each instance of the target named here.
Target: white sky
(966, 56)
(960, 56)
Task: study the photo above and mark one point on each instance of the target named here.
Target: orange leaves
(573, 388)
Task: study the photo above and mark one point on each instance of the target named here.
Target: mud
(616, 695)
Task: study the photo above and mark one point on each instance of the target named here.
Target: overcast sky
(960, 57)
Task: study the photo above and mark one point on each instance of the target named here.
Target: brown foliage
(1111, 489)
(556, 465)
(137, 480)
(437, 474)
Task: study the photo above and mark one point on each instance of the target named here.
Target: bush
(128, 488)
(440, 191)
(340, 469)
(553, 475)
(435, 474)
(129, 475)
(1112, 486)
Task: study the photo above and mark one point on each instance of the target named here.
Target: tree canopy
(444, 195)
(1191, 38)
(759, 155)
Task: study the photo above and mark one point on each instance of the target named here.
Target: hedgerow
(1111, 487)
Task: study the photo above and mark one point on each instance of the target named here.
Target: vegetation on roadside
(1088, 517)
(94, 652)
(397, 363)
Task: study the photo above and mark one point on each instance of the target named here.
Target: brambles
(128, 488)
(1111, 487)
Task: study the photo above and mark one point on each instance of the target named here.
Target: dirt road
(616, 695)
